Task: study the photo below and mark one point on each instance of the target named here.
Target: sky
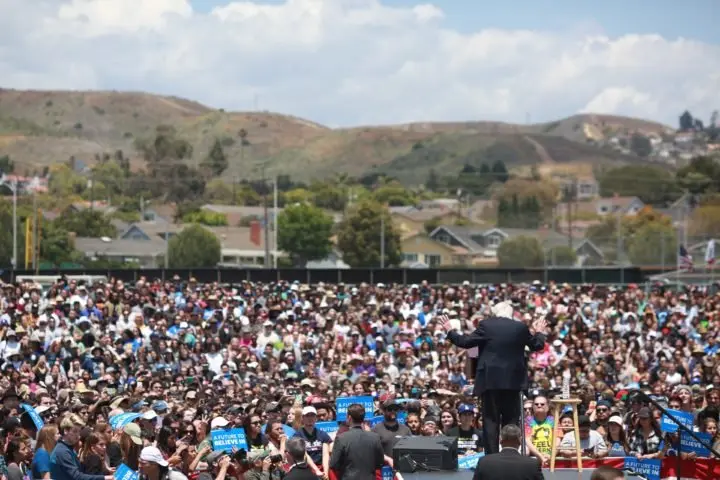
(368, 62)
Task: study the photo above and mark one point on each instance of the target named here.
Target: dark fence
(370, 275)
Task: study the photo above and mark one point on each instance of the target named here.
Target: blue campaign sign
(226, 440)
(33, 415)
(119, 421)
(649, 469)
(689, 444)
(342, 404)
(289, 431)
(124, 472)
(327, 427)
(387, 473)
(375, 420)
(469, 462)
(402, 417)
(669, 426)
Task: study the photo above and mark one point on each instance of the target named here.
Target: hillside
(41, 128)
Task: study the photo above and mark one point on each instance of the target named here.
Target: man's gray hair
(295, 447)
(503, 309)
(511, 435)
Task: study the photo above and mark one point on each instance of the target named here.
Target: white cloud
(344, 62)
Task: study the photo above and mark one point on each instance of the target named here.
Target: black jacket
(301, 471)
(508, 465)
(501, 363)
(357, 455)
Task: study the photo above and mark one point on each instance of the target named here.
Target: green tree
(215, 163)
(701, 175)
(640, 145)
(653, 244)
(328, 196)
(500, 172)
(651, 184)
(304, 233)
(204, 217)
(359, 236)
(6, 165)
(520, 252)
(64, 182)
(394, 195)
(687, 122)
(86, 223)
(433, 181)
(561, 256)
(56, 246)
(431, 224)
(165, 155)
(194, 247)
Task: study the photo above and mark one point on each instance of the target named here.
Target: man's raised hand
(445, 322)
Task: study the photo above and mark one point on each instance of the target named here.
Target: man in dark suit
(509, 464)
(357, 454)
(501, 366)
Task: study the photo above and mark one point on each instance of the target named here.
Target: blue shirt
(40, 463)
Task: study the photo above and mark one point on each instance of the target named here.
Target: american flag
(685, 261)
(710, 252)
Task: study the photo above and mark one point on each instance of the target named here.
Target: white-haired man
(501, 372)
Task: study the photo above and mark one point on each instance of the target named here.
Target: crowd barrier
(699, 469)
(354, 276)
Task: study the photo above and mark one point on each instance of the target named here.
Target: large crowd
(189, 359)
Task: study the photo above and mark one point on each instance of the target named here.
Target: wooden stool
(558, 403)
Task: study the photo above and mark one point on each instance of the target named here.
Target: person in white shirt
(592, 443)
(267, 336)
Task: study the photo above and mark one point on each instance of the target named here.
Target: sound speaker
(412, 454)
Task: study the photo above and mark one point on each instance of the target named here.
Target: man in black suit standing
(509, 464)
(501, 366)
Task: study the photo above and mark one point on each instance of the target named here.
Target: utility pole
(35, 239)
(275, 223)
(382, 239)
(618, 227)
(267, 220)
(92, 191)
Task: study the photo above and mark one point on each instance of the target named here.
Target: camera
(277, 458)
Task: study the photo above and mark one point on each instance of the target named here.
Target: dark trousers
(499, 408)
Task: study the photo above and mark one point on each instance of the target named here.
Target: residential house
(587, 187)
(619, 206)
(420, 248)
(240, 246)
(96, 205)
(25, 185)
(411, 220)
(484, 243)
(147, 254)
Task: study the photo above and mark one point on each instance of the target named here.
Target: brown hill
(41, 128)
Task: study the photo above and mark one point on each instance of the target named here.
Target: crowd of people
(274, 359)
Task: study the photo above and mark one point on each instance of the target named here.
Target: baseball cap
(152, 454)
(135, 434)
(219, 422)
(309, 411)
(616, 419)
(465, 408)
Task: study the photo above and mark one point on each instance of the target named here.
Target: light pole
(13, 188)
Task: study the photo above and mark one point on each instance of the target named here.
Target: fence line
(406, 276)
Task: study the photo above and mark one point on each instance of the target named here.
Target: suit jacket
(501, 363)
(301, 472)
(357, 455)
(509, 464)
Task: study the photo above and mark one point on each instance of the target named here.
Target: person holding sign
(501, 367)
